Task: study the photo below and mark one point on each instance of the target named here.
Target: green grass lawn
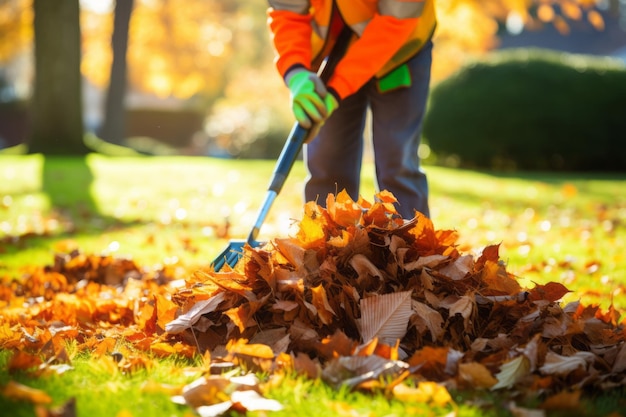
(181, 211)
(570, 228)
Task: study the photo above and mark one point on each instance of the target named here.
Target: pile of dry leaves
(358, 293)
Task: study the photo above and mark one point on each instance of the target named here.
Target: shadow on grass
(69, 191)
(68, 184)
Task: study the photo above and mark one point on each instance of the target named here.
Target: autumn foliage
(358, 293)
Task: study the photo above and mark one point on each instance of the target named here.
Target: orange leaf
(498, 281)
(17, 391)
(490, 253)
(563, 401)
(324, 311)
(552, 291)
(342, 209)
(430, 360)
(23, 361)
(242, 347)
(242, 316)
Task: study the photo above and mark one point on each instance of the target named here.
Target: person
(386, 69)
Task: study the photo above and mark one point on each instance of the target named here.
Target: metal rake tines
(233, 253)
(229, 256)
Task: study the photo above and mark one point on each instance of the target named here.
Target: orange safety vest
(389, 33)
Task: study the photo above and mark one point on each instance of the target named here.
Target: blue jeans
(333, 158)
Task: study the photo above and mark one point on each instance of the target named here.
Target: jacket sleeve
(291, 36)
(381, 39)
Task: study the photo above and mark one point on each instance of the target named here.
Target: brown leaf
(364, 267)
(476, 375)
(556, 364)
(464, 307)
(304, 365)
(188, 319)
(336, 345)
(563, 400)
(426, 318)
(385, 316)
(620, 360)
(65, 410)
(351, 371)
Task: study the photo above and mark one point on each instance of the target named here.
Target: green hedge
(532, 109)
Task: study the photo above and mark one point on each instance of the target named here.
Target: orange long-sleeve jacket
(388, 33)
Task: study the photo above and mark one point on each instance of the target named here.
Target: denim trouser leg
(334, 157)
(397, 119)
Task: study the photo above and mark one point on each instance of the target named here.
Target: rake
(291, 149)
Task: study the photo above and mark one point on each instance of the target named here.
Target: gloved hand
(310, 100)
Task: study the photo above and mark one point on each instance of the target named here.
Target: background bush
(532, 109)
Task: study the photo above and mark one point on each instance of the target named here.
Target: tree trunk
(57, 104)
(114, 126)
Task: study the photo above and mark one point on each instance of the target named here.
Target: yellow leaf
(425, 392)
(242, 347)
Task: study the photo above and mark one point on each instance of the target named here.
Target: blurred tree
(56, 105)
(175, 49)
(217, 51)
(115, 110)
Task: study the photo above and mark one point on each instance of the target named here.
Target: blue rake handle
(291, 149)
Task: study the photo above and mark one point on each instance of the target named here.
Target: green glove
(310, 101)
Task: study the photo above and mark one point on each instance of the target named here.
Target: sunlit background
(214, 59)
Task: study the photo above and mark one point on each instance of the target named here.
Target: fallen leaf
(385, 316)
(324, 311)
(188, 319)
(426, 392)
(563, 400)
(251, 400)
(552, 291)
(427, 318)
(476, 375)
(351, 371)
(556, 364)
(16, 391)
(511, 372)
